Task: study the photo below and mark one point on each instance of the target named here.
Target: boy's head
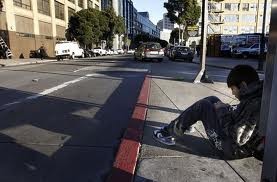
(241, 75)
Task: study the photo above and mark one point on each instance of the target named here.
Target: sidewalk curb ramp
(124, 166)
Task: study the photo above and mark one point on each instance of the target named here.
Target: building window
(97, 7)
(230, 30)
(247, 29)
(214, 6)
(25, 34)
(59, 10)
(70, 12)
(44, 7)
(81, 3)
(253, 7)
(231, 18)
(26, 4)
(248, 18)
(90, 4)
(232, 6)
(73, 1)
(245, 6)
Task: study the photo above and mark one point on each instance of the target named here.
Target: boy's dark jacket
(242, 123)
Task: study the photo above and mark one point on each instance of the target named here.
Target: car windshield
(153, 46)
(246, 46)
(182, 48)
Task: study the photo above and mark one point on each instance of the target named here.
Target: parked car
(114, 52)
(182, 52)
(247, 50)
(88, 53)
(109, 52)
(149, 50)
(130, 51)
(67, 49)
(168, 51)
(120, 51)
(98, 51)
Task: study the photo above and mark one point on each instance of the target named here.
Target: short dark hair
(242, 73)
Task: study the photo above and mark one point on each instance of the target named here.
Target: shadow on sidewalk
(190, 143)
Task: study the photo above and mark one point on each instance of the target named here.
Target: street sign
(193, 31)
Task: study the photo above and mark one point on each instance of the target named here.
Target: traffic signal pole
(202, 75)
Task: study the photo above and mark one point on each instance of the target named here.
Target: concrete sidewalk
(193, 158)
(227, 63)
(18, 62)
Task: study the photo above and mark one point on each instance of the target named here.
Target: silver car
(149, 50)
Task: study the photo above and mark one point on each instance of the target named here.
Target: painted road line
(82, 69)
(127, 155)
(47, 91)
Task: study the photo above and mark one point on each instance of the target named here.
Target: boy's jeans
(203, 110)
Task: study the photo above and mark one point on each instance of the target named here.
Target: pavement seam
(204, 85)
(60, 145)
(199, 132)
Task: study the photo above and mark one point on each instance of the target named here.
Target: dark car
(182, 52)
(88, 53)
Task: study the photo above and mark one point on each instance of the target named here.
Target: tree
(146, 38)
(90, 26)
(174, 36)
(183, 12)
(86, 26)
(115, 26)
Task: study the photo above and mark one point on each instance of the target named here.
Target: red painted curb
(126, 158)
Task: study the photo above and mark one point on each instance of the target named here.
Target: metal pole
(179, 35)
(268, 117)
(262, 42)
(204, 28)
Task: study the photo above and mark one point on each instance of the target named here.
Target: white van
(67, 49)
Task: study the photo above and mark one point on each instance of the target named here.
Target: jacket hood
(252, 90)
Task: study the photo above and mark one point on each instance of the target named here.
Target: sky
(154, 7)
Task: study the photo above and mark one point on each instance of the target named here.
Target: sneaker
(163, 137)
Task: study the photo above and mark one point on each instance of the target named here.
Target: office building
(146, 26)
(166, 27)
(34, 23)
(238, 17)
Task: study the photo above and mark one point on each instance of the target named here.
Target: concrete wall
(16, 40)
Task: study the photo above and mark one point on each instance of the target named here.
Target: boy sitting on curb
(233, 131)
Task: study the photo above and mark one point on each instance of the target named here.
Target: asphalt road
(63, 121)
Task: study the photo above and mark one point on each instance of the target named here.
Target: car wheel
(160, 59)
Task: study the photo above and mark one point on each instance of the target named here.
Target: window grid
(26, 4)
(59, 10)
(44, 7)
